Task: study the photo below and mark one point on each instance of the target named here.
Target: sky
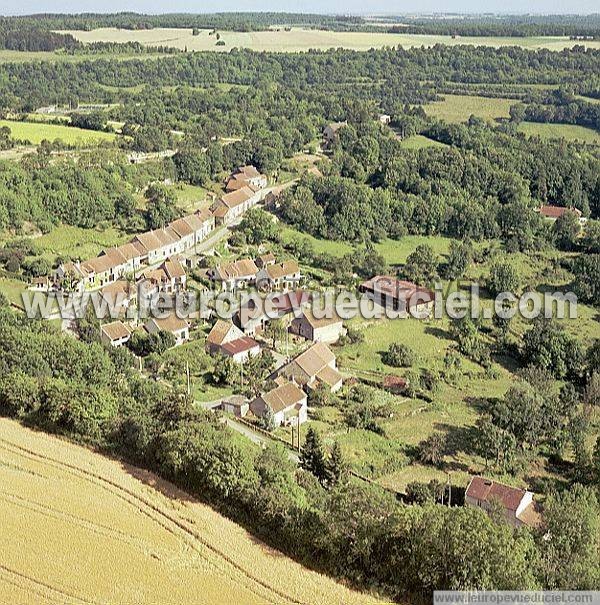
(12, 7)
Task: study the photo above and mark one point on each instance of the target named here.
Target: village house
(553, 212)
(94, 273)
(227, 339)
(157, 245)
(115, 334)
(253, 315)
(265, 260)
(173, 324)
(238, 405)
(246, 176)
(168, 278)
(280, 276)
(327, 329)
(119, 296)
(399, 295)
(193, 228)
(231, 206)
(234, 275)
(330, 132)
(517, 504)
(315, 366)
(287, 401)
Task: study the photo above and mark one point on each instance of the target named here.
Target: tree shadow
(438, 332)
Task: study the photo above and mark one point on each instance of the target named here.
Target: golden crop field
(79, 528)
(298, 39)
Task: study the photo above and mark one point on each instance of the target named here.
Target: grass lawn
(190, 197)
(321, 246)
(298, 39)
(395, 251)
(418, 141)
(459, 108)
(12, 289)
(569, 132)
(36, 132)
(75, 242)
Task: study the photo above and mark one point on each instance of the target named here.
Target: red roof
(556, 211)
(486, 490)
(239, 345)
(288, 302)
(399, 289)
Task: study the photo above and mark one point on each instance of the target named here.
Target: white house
(287, 401)
(173, 324)
(235, 275)
(517, 504)
(281, 276)
(115, 334)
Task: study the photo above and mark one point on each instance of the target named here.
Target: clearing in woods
(117, 534)
(298, 39)
(36, 132)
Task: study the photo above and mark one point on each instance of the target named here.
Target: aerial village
(299, 345)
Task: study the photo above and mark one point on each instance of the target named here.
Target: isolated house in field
(280, 276)
(384, 118)
(246, 176)
(288, 402)
(231, 206)
(553, 212)
(227, 339)
(315, 366)
(238, 405)
(234, 275)
(115, 334)
(173, 324)
(517, 504)
(398, 295)
(330, 132)
(325, 329)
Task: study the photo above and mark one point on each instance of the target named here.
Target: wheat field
(299, 39)
(79, 528)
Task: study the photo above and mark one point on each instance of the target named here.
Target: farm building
(398, 295)
(238, 405)
(518, 504)
(287, 401)
(325, 329)
(553, 212)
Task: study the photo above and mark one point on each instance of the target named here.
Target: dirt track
(79, 528)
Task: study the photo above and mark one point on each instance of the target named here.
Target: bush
(399, 356)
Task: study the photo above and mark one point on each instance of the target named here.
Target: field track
(79, 528)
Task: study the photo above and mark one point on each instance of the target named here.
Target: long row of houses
(244, 190)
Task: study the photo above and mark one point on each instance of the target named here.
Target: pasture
(418, 141)
(114, 534)
(36, 132)
(459, 108)
(569, 132)
(298, 39)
